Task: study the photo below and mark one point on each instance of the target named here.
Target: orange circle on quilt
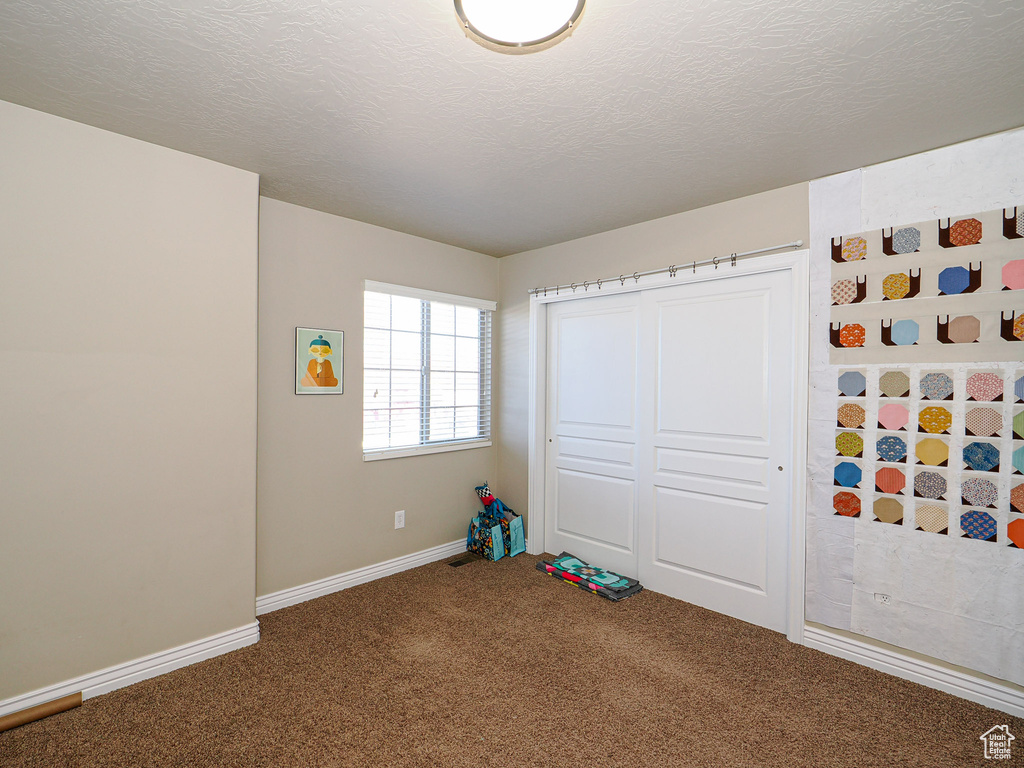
(854, 249)
(965, 232)
(935, 420)
(890, 480)
(846, 504)
(852, 335)
(896, 286)
(851, 415)
(1015, 531)
(1017, 498)
(1018, 327)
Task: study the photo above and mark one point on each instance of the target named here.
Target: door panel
(711, 466)
(711, 537)
(714, 507)
(597, 354)
(595, 508)
(591, 457)
(712, 356)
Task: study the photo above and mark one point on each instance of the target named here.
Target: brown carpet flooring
(495, 664)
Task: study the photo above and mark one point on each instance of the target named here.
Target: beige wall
(127, 398)
(770, 218)
(322, 509)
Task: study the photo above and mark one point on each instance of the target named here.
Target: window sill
(420, 450)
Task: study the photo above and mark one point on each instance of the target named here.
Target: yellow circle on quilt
(896, 286)
(935, 420)
(931, 451)
(931, 518)
(888, 510)
(854, 249)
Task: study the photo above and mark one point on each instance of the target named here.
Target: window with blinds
(426, 371)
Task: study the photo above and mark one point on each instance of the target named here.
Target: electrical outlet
(883, 599)
(400, 519)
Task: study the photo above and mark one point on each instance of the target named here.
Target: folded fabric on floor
(595, 580)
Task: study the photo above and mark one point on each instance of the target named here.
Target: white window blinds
(426, 370)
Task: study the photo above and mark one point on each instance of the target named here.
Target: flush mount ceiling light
(518, 26)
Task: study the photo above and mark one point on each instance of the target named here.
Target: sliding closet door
(591, 493)
(716, 394)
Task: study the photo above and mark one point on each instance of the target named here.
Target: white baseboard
(300, 594)
(962, 684)
(120, 675)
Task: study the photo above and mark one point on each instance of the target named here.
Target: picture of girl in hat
(318, 375)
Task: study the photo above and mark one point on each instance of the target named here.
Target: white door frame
(796, 263)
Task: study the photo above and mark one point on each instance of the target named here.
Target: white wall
(322, 509)
(127, 399)
(950, 600)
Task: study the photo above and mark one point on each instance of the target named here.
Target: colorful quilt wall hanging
(935, 449)
(946, 290)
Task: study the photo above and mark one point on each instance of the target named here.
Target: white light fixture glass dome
(519, 26)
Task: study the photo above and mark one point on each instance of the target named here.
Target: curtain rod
(586, 284)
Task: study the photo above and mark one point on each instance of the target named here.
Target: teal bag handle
(497, 543)
(517, 535)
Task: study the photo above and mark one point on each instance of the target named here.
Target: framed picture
(319, 361)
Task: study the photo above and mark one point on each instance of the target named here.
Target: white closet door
(715, 416)
(591, 492)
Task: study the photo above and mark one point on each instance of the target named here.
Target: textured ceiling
(386, 113)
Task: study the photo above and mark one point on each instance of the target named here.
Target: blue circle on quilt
(982, 457)
(930, 485)
(1018, 460)
(953, 280)
(936, 386)
(905, 333)
(848, 474)
(906, 240)
(891, 448)
(1018, 388)
(852, 383)
(978, 525)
